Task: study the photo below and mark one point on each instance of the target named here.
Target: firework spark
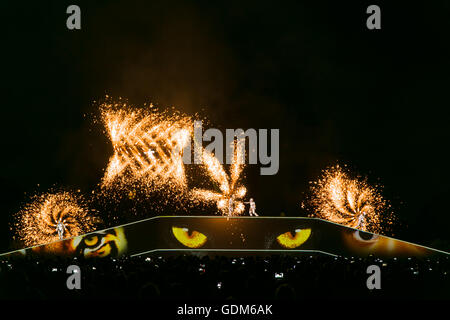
(37, 222)
(229, 199)
(147, 146)
(352, 202)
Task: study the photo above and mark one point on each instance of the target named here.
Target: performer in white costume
(60, 228)
(361, 220)
(230, 206)
(252, 208)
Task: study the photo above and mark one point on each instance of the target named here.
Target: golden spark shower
(38, 222)
(340, 198)
(148, 146)
(230, 198)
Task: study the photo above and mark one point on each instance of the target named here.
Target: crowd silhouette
(188, 277)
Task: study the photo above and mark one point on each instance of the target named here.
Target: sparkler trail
(37, 222)
(351, 202)
(229, 199)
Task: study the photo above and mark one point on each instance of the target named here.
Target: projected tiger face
(218, 234)
(101, 244)
(292, 241)
(64, 248)
(110, 242)
(200, 235)
(237, 235)
(368, 243)
(189, 239)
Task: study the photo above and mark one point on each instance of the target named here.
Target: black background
(373, 99)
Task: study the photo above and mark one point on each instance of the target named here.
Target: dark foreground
(258, 278)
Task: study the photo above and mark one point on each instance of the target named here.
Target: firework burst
(229, 199)
(148, 146)
(37, 222)
(348, 201)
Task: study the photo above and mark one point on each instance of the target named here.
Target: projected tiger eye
(91, 241)
(193, 240)
(365, 236)
(289, 241)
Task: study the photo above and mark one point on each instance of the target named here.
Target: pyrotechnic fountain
(352, 202)
(38, 222)
(229, 199)
(147, 145)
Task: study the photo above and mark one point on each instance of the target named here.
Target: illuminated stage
(217, 235)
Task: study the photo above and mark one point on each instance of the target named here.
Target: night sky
(375, 100)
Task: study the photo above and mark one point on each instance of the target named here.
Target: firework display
(352, 202)
(53, 216)
(147, 145)
(229, 199)
(148, 157)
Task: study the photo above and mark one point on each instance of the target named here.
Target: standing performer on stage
(230, 206)
(252, 208)
(60, 228)
(361, 220)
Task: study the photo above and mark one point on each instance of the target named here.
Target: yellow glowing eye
(287, 240)
(194, 240)
(91, 241)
